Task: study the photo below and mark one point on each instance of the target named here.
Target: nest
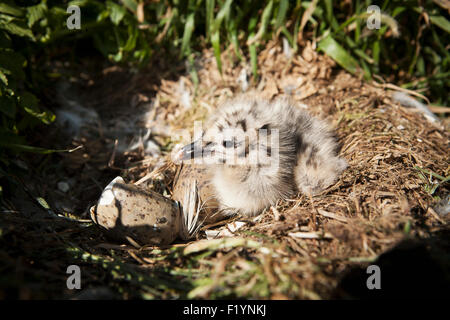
(302, 247)
(388, 192)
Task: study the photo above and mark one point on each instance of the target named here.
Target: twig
(332, 215)
(310, 235)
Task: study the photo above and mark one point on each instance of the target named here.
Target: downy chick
(260, 151)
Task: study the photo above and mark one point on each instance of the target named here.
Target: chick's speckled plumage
(303, 158)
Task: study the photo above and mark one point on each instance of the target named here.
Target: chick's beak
(191, 151)
(197, 149)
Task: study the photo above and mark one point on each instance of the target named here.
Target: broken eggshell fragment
(185, 177)
(127, 211)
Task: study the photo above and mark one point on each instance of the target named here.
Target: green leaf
(133, 34)
(17, 28)
(36, 13)
(82, 3)
(116, 57)
(441, 22)
(117, 12)
(43, 203)
(3, 78)
(29, 103)
(11, 10)
(130, 4)
(28, 99)
(102, 16)
(338, 54)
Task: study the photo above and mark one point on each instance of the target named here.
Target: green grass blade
(254, 60)
(376, 52)
(188, 29)
(221, 15)
(193, 72)
(26, 148)
(264, 22)
(233, 37)
(209, 17)
(288, 36)
(215, 40)
(338, 54)
(294, 36)
(281, 16)
(252, 47)
(215, 36)
(330, 14)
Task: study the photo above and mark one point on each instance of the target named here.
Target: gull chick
(259, 152)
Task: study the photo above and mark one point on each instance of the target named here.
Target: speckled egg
(125, 210)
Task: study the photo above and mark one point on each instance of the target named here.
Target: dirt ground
(381, 211)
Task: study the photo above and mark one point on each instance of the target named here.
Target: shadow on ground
(413, 269)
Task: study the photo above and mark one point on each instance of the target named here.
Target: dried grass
(379, 200)
(303, 246)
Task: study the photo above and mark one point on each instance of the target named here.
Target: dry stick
(154, 173)
(294, 245)
(75, 149)
(112, 246)
(332, 215)
(306, 15)
(394, 87)
(439, 109)
(310, 235)
(219, 223)
(135, 257)
(276, 213)
(113, 155)
(313, 212)
(133, 242)
(435, 215)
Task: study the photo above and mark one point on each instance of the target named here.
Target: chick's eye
(228, 143)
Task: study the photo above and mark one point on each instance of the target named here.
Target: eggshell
(185, 174)
(126, 210)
